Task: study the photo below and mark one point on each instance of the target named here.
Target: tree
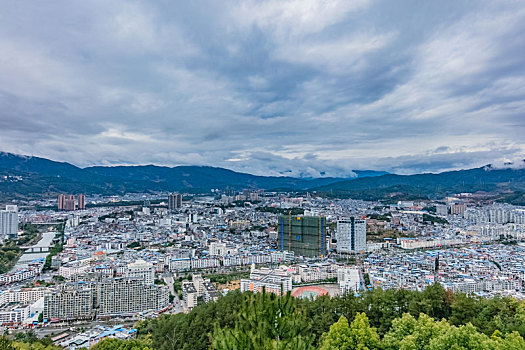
(29, 337)
(34, 346)
(117, 344)
(6, 344)
(437, 301)
(462, 338)
(464, 309)
(364, 336)
(512, 341)
(320, 315)
(133, 245)
(59, 278)
(406, 320)
(339, 337)
(407, 333)
(518, 321)
(266, 322)
(191, 331)
(359, 335)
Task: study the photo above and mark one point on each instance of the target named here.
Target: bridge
(44, 245)
(45, 223)
(35, 249)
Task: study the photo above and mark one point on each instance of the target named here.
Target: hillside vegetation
(33, 177)
(379, 319)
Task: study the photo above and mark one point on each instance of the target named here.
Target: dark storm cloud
(302, 88)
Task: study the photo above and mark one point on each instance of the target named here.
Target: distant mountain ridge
(509, 183)
(43, 177)
(478, 176)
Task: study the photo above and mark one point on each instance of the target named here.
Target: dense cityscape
(96, 261)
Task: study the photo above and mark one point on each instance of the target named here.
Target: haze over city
(300, 88)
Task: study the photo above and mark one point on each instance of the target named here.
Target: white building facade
(9, 222)
(351, 235)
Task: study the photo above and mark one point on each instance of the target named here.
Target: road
(178, 305)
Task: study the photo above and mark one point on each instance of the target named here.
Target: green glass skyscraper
(303, 235)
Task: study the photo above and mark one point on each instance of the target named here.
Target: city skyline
(298, 88)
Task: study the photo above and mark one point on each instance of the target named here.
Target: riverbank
(26, 258)
(11, 252)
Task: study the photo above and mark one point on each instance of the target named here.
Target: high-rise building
(68, 202)
(303, 235)
(457, 209)
(81, 202)
(111, 296)
(351, 235)
(174, 201)
(61, 201)
(129, 295)
(9, 222)
(142, 270)
(69, 302)
(189, 294)
(441, 210)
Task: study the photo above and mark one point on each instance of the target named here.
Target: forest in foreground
(380, 319)
(433, 319)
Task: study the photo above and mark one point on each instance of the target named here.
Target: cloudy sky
(300, 87)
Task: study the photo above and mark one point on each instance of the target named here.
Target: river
(26, 258)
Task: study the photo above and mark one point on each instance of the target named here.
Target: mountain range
(507, 185)
(42, 177)
(24, 177)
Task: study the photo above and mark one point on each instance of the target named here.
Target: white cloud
(290, 19)
(337, 55)
(278, 87)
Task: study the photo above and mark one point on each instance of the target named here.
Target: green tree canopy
(266, 322)
(359, 335)
(117, 344)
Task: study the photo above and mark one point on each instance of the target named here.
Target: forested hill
(434, 319)
(30, 177)
(503, 181)
(25, 177)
